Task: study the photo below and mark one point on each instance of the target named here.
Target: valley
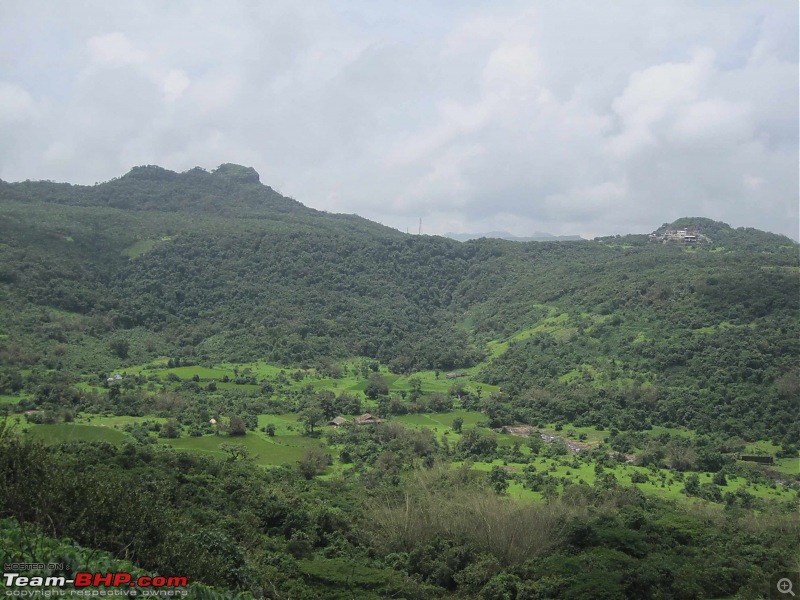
(187, 362)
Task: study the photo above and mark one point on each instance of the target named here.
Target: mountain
(173, 344)
(538, 236)
(215, 266)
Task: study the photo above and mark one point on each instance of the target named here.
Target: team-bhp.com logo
(89, 584)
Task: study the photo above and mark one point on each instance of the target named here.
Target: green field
(265, 451)
(284, 424)
(139, 248)
(116, 422)
(288, 446)
(788, 466)
(69, 432)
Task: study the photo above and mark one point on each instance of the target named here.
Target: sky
(582, 117)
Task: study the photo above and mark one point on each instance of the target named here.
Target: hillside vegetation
(213, 267)
(174, 345)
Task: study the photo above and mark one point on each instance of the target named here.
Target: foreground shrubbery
(420, 533)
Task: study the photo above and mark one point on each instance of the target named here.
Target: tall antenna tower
(419, 232)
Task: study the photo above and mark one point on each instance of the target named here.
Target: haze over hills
(538, 236)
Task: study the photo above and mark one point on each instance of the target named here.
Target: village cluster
(682, 236)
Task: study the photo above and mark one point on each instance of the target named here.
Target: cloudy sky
(589, 117)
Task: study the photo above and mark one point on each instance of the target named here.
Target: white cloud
(175, 83)
(16, 104)
(568, 117)
(114, 50)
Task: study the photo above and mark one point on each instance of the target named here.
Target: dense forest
(225, 305)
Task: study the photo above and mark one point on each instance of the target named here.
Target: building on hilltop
(682, 236)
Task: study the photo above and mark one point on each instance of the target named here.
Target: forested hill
(229, 190)
(214, 266)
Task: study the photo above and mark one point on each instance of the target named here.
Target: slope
(216, 267)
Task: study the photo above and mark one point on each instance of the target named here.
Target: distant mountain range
(538, 236)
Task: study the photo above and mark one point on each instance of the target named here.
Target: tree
(270, 430)
(170, 430)
(555, 448)
(440, 402)
(327, 403)
(681, 455)
(476, 444)
(416, 387)
(719, 478)
(535, 442)
(692, 485)
(457, 423)
(498, 479)
(376, 386)
(311, 417)
(120, 347)
(235, 451)
(348, 404)
(237, 426)
(313, 462)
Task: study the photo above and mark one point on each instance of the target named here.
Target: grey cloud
(569, 117)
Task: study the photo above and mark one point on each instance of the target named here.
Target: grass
(572, 433)
(265, 451)
(441, 421)
(564, 467)
(353, 382)
(761, 448)
(441, 424)
(787, 466)
(714, 328)
(578, 373)
(259, 369)
(117, 422)
(203, 373)
(339, 576)
(679, 431)
(553, 324)
(237, 386)
(289, 445)
(284, 424)
(69, 432)
(139, 248)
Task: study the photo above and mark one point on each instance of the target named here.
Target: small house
(338, 421)
(367, 419)
(455, 375)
